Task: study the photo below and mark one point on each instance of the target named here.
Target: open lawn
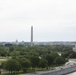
(2, 60)
(11, 74)
(73, 60)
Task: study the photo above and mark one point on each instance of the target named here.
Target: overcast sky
(52, 20)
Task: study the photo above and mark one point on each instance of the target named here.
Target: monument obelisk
(31, 35)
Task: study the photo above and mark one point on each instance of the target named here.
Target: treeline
(21, 50)
(31, 58)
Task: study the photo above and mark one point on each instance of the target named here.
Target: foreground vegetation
(23, 59)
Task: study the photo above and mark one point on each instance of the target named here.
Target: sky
(52, 20)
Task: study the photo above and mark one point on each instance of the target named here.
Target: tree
(59, 61)
(25, 63)
(11, 49)
(14, 54)
(3, 51)
(50, 59)
(12, 65)
(35, 61)
(43, 63)
(54, 54)
(69, 54)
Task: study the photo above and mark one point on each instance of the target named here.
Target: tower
(31, 35)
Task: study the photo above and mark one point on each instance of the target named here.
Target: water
(74, 73)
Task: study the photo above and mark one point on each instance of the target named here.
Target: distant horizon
(38, 41)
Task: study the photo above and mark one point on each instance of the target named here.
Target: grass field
(73, 60)
(2, 60)
(9, 74)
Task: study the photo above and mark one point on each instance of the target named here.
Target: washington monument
(31, 35)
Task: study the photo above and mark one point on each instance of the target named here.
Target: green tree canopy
(59, 61)
(12, 65)
(43, 63)
(34, 61)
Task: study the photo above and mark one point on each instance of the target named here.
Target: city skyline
(53, 20)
